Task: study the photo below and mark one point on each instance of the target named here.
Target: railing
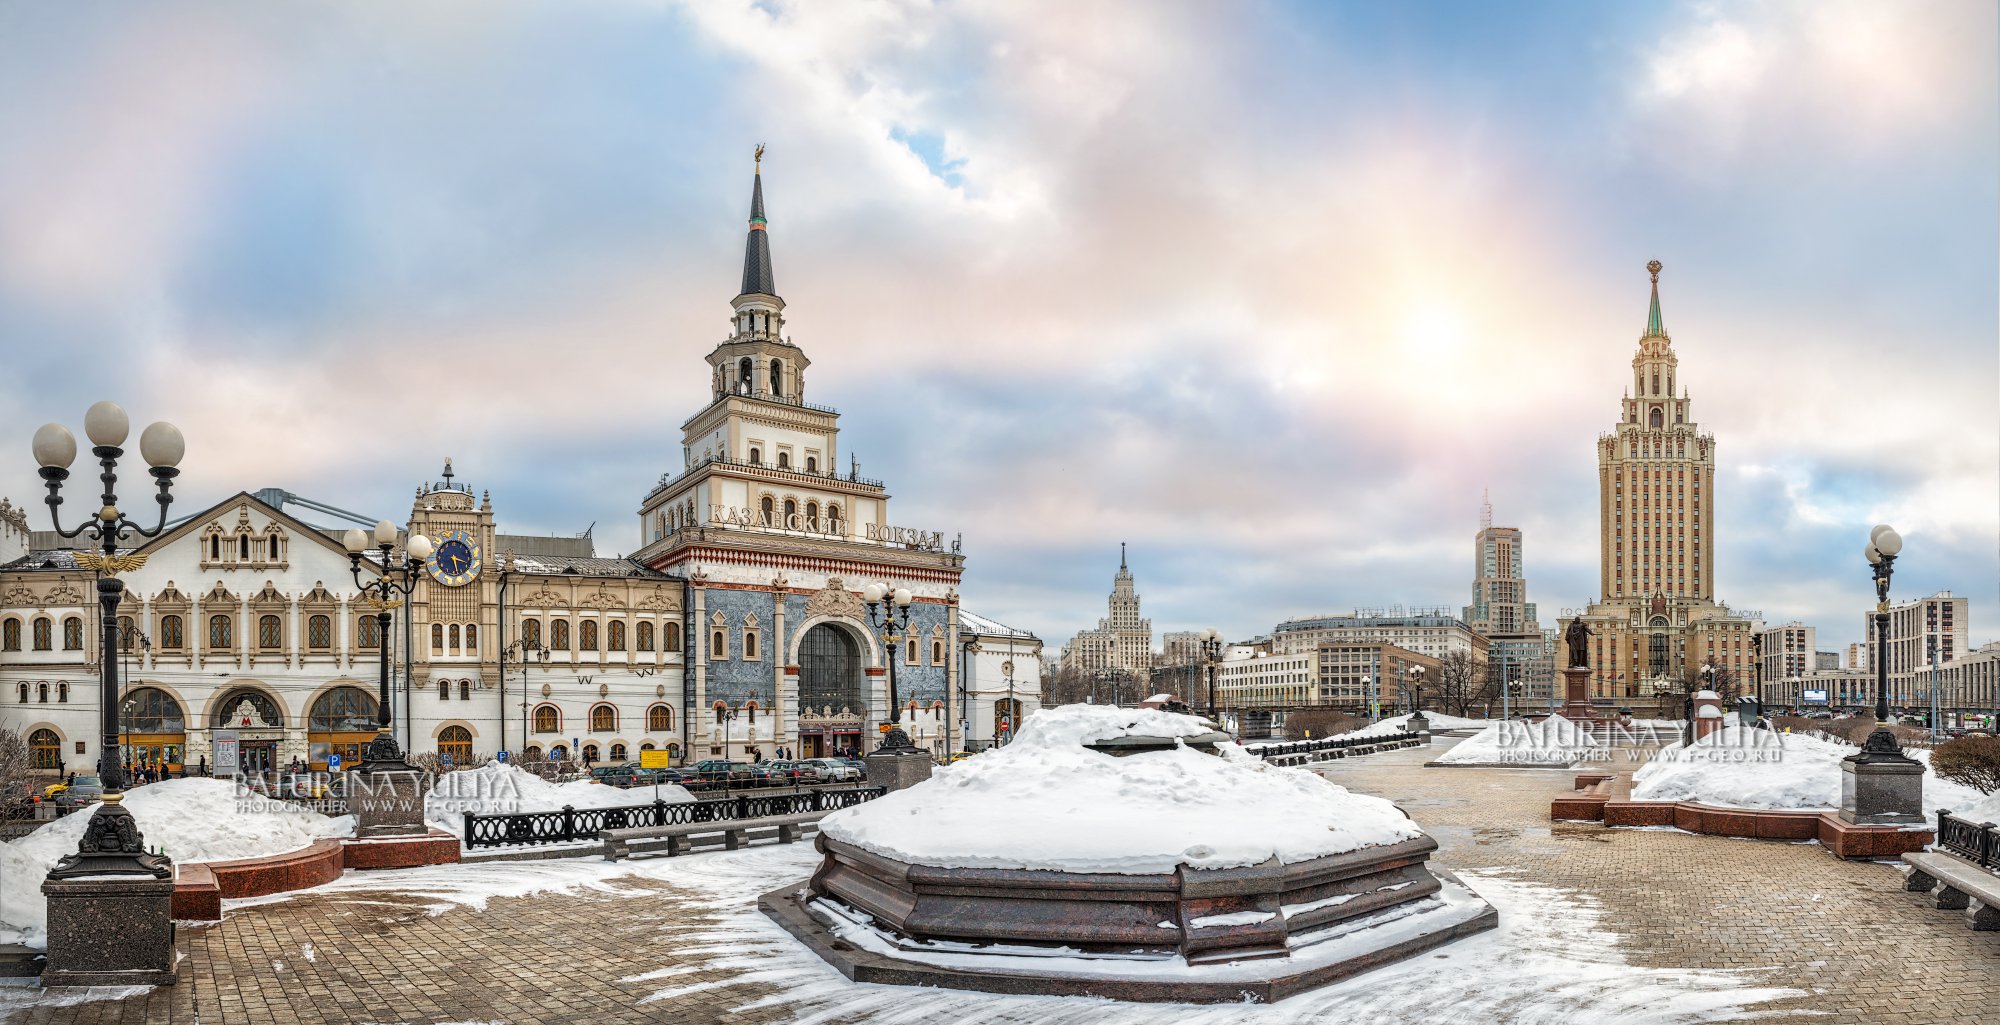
(1302, 747)
(1977, 842)
(569, 824)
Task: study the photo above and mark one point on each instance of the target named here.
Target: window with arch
(644, 637)
(833, 517)
(590, 752)
(437, 638)
(617, 752)
(215, 548)
(453, 638)
(768, 510)
(367, 632)
(73, 633)
(614, 635)
(937, 653)
(152, 710)
(720, 711)
(10, 634)
(812, 515)
(24, 692)
(455, 745)
(465, 690)
(444, 690)
(1655, 417)
(559, 634)
(910, 651)
(471, 638)
(718, 639)
(43, 630)
(603, 719)
(172, 635)
(750, 710)
(42, 692)
(743, 373)
(673, 637)
(547, 719)
(319, 632)
(587, 635)
(659, 719)
(777, 379)
(812, 464)
(791, 510)
(128, 634)
(45, 750)
(531, 633)
(270, 633)
(784, 460)
(750, 638)
(756, 456)
(62, 691)
(532, 754)
(224, 711)
(343, 710)
(221, 633)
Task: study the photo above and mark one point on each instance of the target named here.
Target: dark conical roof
(757, 276)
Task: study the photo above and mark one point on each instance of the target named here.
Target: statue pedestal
(110, 931)
(387, 803)
(1881, 791)
(1576, 696)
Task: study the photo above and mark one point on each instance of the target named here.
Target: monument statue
(1577, 636)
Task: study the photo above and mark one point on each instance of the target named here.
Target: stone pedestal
(1576, 696)
(897, 768)
(387, 803)
(1418, 723)
(110, 931)
(1882, 791)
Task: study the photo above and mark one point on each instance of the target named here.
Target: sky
(1268, 291)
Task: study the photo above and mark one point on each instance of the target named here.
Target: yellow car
(962, 756)
(49, 792)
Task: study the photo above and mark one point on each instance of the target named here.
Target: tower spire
(1121, 555)
(1654, 329)
(1485, 509)
(757, 276)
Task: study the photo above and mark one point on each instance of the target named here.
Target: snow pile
(1553, 741)
(498, 788)
(1439, 721)
(192, 819)
(1741, 767)
(1047, 802)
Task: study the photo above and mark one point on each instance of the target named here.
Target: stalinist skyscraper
(1658, 618)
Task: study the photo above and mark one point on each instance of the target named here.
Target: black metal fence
(1304, 747)
(1977, 842)
(568, 824)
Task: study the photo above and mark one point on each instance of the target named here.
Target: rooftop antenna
(1485, 509)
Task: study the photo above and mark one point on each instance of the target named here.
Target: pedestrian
(70, 780)
(204, 765)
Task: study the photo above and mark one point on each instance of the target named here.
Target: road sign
(656, 760)
(227, 754)
(333, 763)
(502, 756)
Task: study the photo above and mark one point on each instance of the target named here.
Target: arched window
(559, 634)
(221, 633)
(46, 750)
(128, 634)
(812, 515)
(617, 752)
(910, 651)
(24, 692)
(673, 637)
(1656, 417)
(603, 719)
(465, 690)
(73, 633)
(367, 632)
(531, 633)
(171, 634)
(319, 632)
(547, 719)
(777, 379)
(718, 643)
(270, 632)
(437, 638)
(42, 692)
(645, 637)
(215, 548)
(10, 634)
(743, 372)
(243, 548)
(263, 709)
(784, 460)
(659, 719)
(937, 653)
(833, 517)
(614, 635)
(532, 754)
(471, 638)
(791, 510)
(444, 690)
(750, 644)
(43, 634)
(343, 710)
(720, 711)
(587, 635)
(756, 456)
(62, 691)
(750, 709)
(812, 464)
(452, 637)
(152, 710)
(590, 752)
(767, 509)
(455, 745)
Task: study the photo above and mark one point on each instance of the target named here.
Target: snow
(193, 820)
(1742, 767)
(498, 788)
(1553, 741)
(1046, 802)
(1236, 918)
(1390, 727)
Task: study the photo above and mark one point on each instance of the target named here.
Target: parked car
(761, 774)
(599, 772)
(713, 770)
(305, 786)
(796, 772)
(81, 791)
(836, 770)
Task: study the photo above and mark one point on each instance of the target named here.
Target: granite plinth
(897, 768)
(1882, 793)
(387, 803)
(110, 931)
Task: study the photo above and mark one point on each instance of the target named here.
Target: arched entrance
(155, 731)
(455, 746)
(1656, 647)
(253, 716)
(342, 722)
(833, 692)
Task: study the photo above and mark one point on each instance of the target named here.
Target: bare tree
(1462, 684)
(16, 766)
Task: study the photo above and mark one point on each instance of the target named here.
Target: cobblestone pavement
(1598, 926)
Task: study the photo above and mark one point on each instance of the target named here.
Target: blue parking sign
(333, 763)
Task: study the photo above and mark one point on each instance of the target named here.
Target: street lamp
(127, 637)
(398, 581)
(889, 615)
(527, 650)
(1416, 675)
(728, 716)
(112, 844)
(1211, 654)
(1368, 694)
(1012, 712)
(1884, 544)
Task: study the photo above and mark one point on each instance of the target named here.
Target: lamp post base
(110, 931)
(113, 846)
(1885, 791)
(897, 763)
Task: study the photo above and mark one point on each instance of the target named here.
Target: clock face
(454, 562)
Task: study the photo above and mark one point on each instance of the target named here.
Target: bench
(729, 834)
(1957, 881)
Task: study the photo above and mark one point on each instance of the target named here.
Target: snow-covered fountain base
(1124, 854)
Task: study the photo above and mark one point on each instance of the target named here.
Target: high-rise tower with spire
(1122, 639)
(1658, 619)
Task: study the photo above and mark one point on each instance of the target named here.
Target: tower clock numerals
(455, 560)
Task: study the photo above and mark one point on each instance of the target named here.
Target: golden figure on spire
(759, 158)
(1652, 266)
